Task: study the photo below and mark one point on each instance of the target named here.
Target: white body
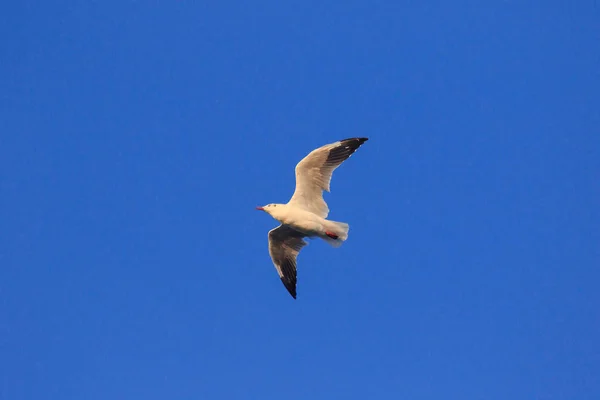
(301, 220)
(306, 222)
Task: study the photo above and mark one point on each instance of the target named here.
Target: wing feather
(284, 245)
(313, 174)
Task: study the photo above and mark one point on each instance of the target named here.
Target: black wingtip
(361, 140)
(290, 286)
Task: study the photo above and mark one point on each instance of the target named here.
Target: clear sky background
(136, 138)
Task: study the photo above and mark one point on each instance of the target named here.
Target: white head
(272, 209)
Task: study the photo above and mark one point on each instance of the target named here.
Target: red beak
(260, 208)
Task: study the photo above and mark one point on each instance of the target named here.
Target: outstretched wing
(284, 245)
(313, 174)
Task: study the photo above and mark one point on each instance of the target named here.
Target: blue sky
(136, 138)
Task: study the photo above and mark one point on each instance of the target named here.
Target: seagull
(305, 213)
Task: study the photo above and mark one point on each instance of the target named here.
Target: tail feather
(339, 228)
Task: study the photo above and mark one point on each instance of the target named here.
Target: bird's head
(271, 209)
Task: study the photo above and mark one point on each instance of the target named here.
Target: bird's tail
(340, 229)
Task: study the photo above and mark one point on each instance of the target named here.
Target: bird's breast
(303, 221)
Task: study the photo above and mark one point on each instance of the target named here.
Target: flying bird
(305, 213)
